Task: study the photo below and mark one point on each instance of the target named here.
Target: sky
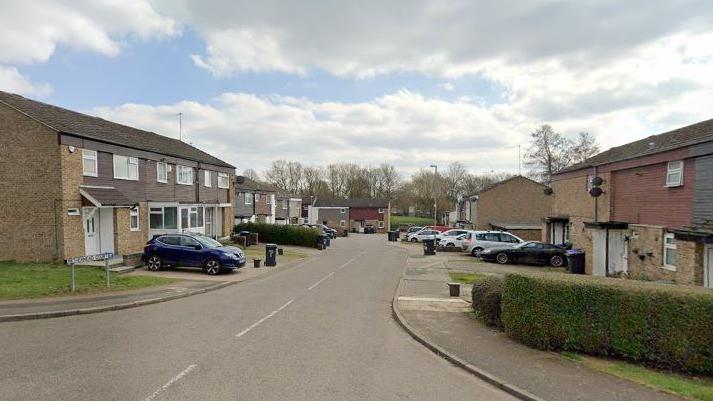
(407, 82)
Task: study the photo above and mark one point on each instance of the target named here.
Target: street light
(435, 199)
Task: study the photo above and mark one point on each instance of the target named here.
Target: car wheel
(414, 239)
(212, 267)
(476, 251)
(502, 258)
(154, 263)
(557, 261)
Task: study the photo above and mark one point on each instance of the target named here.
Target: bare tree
(278, 175)
(314, 183)
(389, 180)
(549, 152)
(251, 174)
(584, 147)
(454, 181)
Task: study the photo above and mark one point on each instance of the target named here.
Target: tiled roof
(678, 138)
(85, 126)
(497, 184)
(243, 183)
(107, 196)
(358, 202)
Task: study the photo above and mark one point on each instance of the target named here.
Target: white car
(477, 241)
(422, 235)
(452, 242)
(450, 234)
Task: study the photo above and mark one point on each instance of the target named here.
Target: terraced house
(73, 185)
(254, 201)
(644, 209)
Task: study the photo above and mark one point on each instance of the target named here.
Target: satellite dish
(548, 191)
(596, 192)
(597, 181)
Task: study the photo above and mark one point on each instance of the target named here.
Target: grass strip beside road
(465, 278)
(35, 280)
(688, 386)
(258, 252)
(417, 221)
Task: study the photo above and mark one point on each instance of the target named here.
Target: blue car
(191, 250)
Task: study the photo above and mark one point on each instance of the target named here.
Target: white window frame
(267, 199)
(670, 169)
(206, 179)
(381, 211)
(284, 204)
(134, 212)
(257, 198)
(381, 224)
(223, 181)
(342, 210)
(89, 155)
(666, 248)
(159, 178)
(342, 223)
(132, 163)
(180, 168)
(248, 198)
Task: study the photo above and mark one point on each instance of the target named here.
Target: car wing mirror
(197, 247)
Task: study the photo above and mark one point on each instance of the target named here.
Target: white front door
(599, 257)
(618, 252)
(709, 266)
(92, 242)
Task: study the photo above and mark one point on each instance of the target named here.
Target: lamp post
(435, 199)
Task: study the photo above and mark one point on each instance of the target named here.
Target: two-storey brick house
(651, 220)
(254, 201)
(351, 214)
(74, 185)
(288, 209)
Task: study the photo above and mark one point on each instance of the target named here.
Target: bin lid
(271, 245)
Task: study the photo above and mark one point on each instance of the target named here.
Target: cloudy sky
(410, 82)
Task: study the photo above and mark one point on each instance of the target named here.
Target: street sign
(90, 258)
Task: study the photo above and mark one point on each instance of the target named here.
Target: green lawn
(417, 221)
(34, 280)
(688, 386)
(258, 251)
(465, 278)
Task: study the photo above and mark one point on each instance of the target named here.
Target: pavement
(321, 330)
(193, 281)
(530, 374)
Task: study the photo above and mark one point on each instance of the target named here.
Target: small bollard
(106, 268)
(454, 289)
(280, 251)
(256, 263)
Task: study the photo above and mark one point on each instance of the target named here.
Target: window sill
(183, 183)
(669, 268)
(673, 186)
(89, 175)
(162, 182)
(134, 229)
(126, 179)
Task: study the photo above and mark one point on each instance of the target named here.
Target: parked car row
(332, 233)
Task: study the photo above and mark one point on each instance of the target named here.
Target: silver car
(476, 241)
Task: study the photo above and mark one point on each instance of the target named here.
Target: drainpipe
(596, 203)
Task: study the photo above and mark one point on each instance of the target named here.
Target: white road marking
(273, 313)
(171, 382)
(332, 273)
(320, 281)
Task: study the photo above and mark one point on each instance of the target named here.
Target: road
(321, 330)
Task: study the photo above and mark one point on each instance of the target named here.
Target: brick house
(351, 214)
(288, 209)
(254, 201)
(652, 219)
(74, 185)
(517, 204)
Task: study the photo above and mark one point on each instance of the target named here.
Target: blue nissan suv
(191, 250)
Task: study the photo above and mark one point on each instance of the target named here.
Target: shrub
(665, 326)
(487, 294)
(281, 234)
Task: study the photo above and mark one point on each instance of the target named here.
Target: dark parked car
(527, 252)
(369, 229)
(191, 250)
(325, 229)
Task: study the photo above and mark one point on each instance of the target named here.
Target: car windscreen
(208, 242)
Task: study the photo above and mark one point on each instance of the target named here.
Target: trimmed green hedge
(487, 294)
(665, 326)
(281, 234)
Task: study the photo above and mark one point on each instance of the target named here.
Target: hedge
(486, 296)
(665, 326)
(281, 234)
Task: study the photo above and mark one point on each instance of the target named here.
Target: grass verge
(35, 280)
(417, 221)
(253, 252)
(466, 278)
(688, 386)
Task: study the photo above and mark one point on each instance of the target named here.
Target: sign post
(106, 268)
(90, 258)
(74, 281)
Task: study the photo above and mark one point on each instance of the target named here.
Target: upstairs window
(89, 162)
(381, 210)
(206, 178)
(248, 198)
(342, 210)
(284, 204)
(161, 172)
(267, 199)
(674, 174)
(223, 181)
(126, 168)
(184, 175)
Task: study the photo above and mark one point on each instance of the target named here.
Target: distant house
(653, 216)
(254, 201)
(288, 209)
(518, 205)
(76, 185)
(351, 214)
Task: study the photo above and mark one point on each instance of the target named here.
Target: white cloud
(30, 31)
(403, 128)
(12, 81)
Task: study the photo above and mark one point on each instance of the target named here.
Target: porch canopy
(106, 196)
(515, 225)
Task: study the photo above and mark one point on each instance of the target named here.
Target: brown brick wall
(127, 242)
(518, 200)
(29, 189)
(72, 226)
